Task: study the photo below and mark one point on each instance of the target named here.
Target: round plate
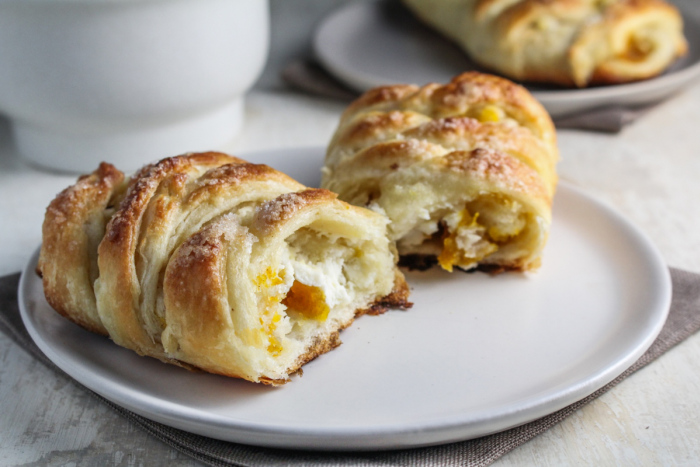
(475, 355)
(368, 44)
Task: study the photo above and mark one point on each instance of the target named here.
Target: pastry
(465, 171)
(567, 42)
(207, 261)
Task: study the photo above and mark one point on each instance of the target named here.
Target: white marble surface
(649, 172)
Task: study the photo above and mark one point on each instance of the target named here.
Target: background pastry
(465, 171)
(208, 261)
(568, 42)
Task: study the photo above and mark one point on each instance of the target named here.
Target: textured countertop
(649, 173)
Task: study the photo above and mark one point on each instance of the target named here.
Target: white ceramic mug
(127, 81)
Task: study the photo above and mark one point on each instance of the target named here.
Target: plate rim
(672, 81)
(382, 437)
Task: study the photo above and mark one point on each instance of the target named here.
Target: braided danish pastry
(465, 171)
(568, 42)
(211, 262)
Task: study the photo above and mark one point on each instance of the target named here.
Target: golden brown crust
(566, 42)
(125, 221)
(202, 256)
(466, 133)
(379, 95)
(465, 95)
(473, 88)
(67, 262)
(438, 155)
(188, 264)
(317, 348)
(118, 259)
(220, 179)
(374, 126)
(628, 59)
(499, 169)
(286, 206)
(397, 299)
(448, 116)
(525, 12)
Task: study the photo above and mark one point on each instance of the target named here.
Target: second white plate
(368, 44)
(476, 354)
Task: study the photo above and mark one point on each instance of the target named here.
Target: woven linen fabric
(683, 321)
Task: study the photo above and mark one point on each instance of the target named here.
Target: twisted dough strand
(208, 261)
(568, 42)
(433, 157)
(167, 203)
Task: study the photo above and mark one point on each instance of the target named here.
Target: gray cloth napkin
(683, 321)
(309, 77)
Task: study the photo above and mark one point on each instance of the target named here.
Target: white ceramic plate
(476, 354)
(367, 44)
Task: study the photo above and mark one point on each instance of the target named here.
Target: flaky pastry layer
(465, 171)
(567, 42)
(207, 261)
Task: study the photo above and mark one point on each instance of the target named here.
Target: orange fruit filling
(307, 300)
